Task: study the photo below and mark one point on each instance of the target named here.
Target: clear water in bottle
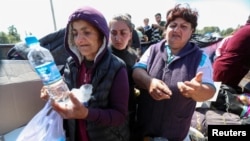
(43, 63)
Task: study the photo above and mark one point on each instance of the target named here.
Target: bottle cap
(31, 40)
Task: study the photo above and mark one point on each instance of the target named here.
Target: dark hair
(158, 14)
(183, 11)
(127, 14)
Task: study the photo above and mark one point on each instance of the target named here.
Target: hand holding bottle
(43, 63)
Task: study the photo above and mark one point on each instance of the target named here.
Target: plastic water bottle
(43, 63)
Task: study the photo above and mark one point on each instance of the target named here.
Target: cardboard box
(19, 94)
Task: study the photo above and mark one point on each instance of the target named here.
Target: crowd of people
(151, 33)
(170, 72)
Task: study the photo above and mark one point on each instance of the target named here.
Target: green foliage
(3, 38)
(213, 29)
(11, 37)
(227, 31)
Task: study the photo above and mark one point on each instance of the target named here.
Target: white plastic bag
(46, 125)
(83, 94)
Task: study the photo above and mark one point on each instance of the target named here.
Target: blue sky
(35, 15)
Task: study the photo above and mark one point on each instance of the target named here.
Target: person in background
(148, 32)
(157, 30)
(223, 42)
(140, 33)
(146, 24)
(143, 37)
(233, 63)
(156, 35)
(91, 62)
(172, 75)
(120, 34)
(160, 24)
(135, 41)
(147, 28)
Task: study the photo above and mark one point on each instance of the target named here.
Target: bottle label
(48, 72)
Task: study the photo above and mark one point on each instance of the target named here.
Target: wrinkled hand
(72, 109)
(159, 90)
(190, 88)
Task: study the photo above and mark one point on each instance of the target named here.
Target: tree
(12, 37)
(215, 29)
(227, 32)
(209, 29)
(3, 38)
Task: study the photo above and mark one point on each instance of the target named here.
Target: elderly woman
(91, 62)
(173, 74)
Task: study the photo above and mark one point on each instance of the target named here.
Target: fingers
(159, 90)
(74, 100)
(181, 86)
(198, 77)
(44, 94)
(71, 108)
(185, 89)
(160, 94)
(63, 108)
(164, 88)
(187, 95)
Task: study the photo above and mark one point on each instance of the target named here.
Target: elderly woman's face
(178, 33)
(87, 38)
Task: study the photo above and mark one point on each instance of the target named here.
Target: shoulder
(70, 61)
(117, 61)
(132, 52)
(159, 46)
(205, 60)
